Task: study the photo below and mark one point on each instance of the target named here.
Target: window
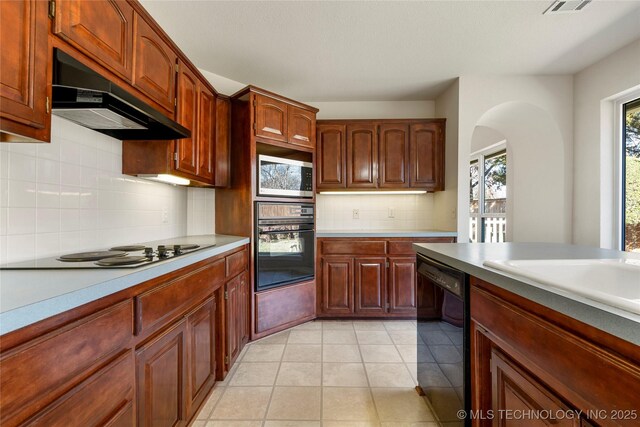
(631, 176)
(488, 197)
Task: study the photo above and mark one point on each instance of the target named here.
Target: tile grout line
(273, 387)
(366, 374)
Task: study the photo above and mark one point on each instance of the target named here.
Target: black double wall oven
(285, 244)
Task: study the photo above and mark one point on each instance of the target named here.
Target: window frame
(620, 175)
(480, 156)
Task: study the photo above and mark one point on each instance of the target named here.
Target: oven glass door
(285, 254)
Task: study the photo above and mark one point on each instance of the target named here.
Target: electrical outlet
(392, 213)
(165, 215)
(356, 214)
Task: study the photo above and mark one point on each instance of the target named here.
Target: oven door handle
(285, 231)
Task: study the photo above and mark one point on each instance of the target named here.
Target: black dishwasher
(443, 340)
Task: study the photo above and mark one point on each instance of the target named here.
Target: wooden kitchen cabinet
(187, 115)
(102, 30)
(331, 156)
(223, 139)
(380, 154)
(301, 126)
(237, 311)
(402, 289)
(525, 356)
(336, 282)
(517, 392)
(201, 352)
(427, 155)
(394, 155)
(270, 118)
(370, 285)
(370, 277)
(206, 134)
(154, 71)
(278, 120)
(106, 398)
(25, 95)
(161, 370)
(362, 156)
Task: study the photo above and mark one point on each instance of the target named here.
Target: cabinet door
(201, 342)
(101, 29)
(161, 373)
(222, 159)
(402, 285)
(330, 158)
(187, 114)
(370, 285)
(337, 285)
(362, 156)
(232, 308)
(271, 118)
(105, 398)
(394, 155)
(154, 65)
(427, 156)
(23, 70)
(206, 133)
(301, 127)
(516, 392)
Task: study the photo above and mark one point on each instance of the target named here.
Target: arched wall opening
(538, 202)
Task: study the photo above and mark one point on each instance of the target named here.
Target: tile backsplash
(410, 211)
(70, 195)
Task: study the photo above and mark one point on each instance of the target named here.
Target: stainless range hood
(83, 96)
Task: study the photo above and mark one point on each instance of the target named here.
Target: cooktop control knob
(148, 252)
(162, 251)
(177, 249)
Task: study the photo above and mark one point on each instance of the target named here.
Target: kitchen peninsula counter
(469, 257)
(385, 233)
(28, 296)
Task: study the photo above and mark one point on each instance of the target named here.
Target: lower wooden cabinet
(237, 316)
(370, 278)
(145, 356)
(106, 398)
(370, 285)
(161, 371)
(528, 360)
(201, 346)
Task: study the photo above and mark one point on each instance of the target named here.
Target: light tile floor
(324, 373)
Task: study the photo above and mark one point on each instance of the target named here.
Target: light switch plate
(356, 214)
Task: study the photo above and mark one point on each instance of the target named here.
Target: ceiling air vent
(567, 6)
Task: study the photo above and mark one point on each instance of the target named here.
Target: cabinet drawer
(164, 303)
(104, 398)
(28, 369)
(406, 247)
(353, 247)
(236, 263)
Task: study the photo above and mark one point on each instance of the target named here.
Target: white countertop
(469, 257)
(28, 296)
(385, 233)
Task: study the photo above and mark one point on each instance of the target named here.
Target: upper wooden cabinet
(362, 156)
(302, 127)
(194, 158)
(101, 29)
(271, 118)
(187, 115)
(380, 154)
(154, 65)
(394, 155)
(275, 119)
(331, 156)
(24, 72)
(427, 155)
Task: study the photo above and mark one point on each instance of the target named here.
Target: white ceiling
(366, 51)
